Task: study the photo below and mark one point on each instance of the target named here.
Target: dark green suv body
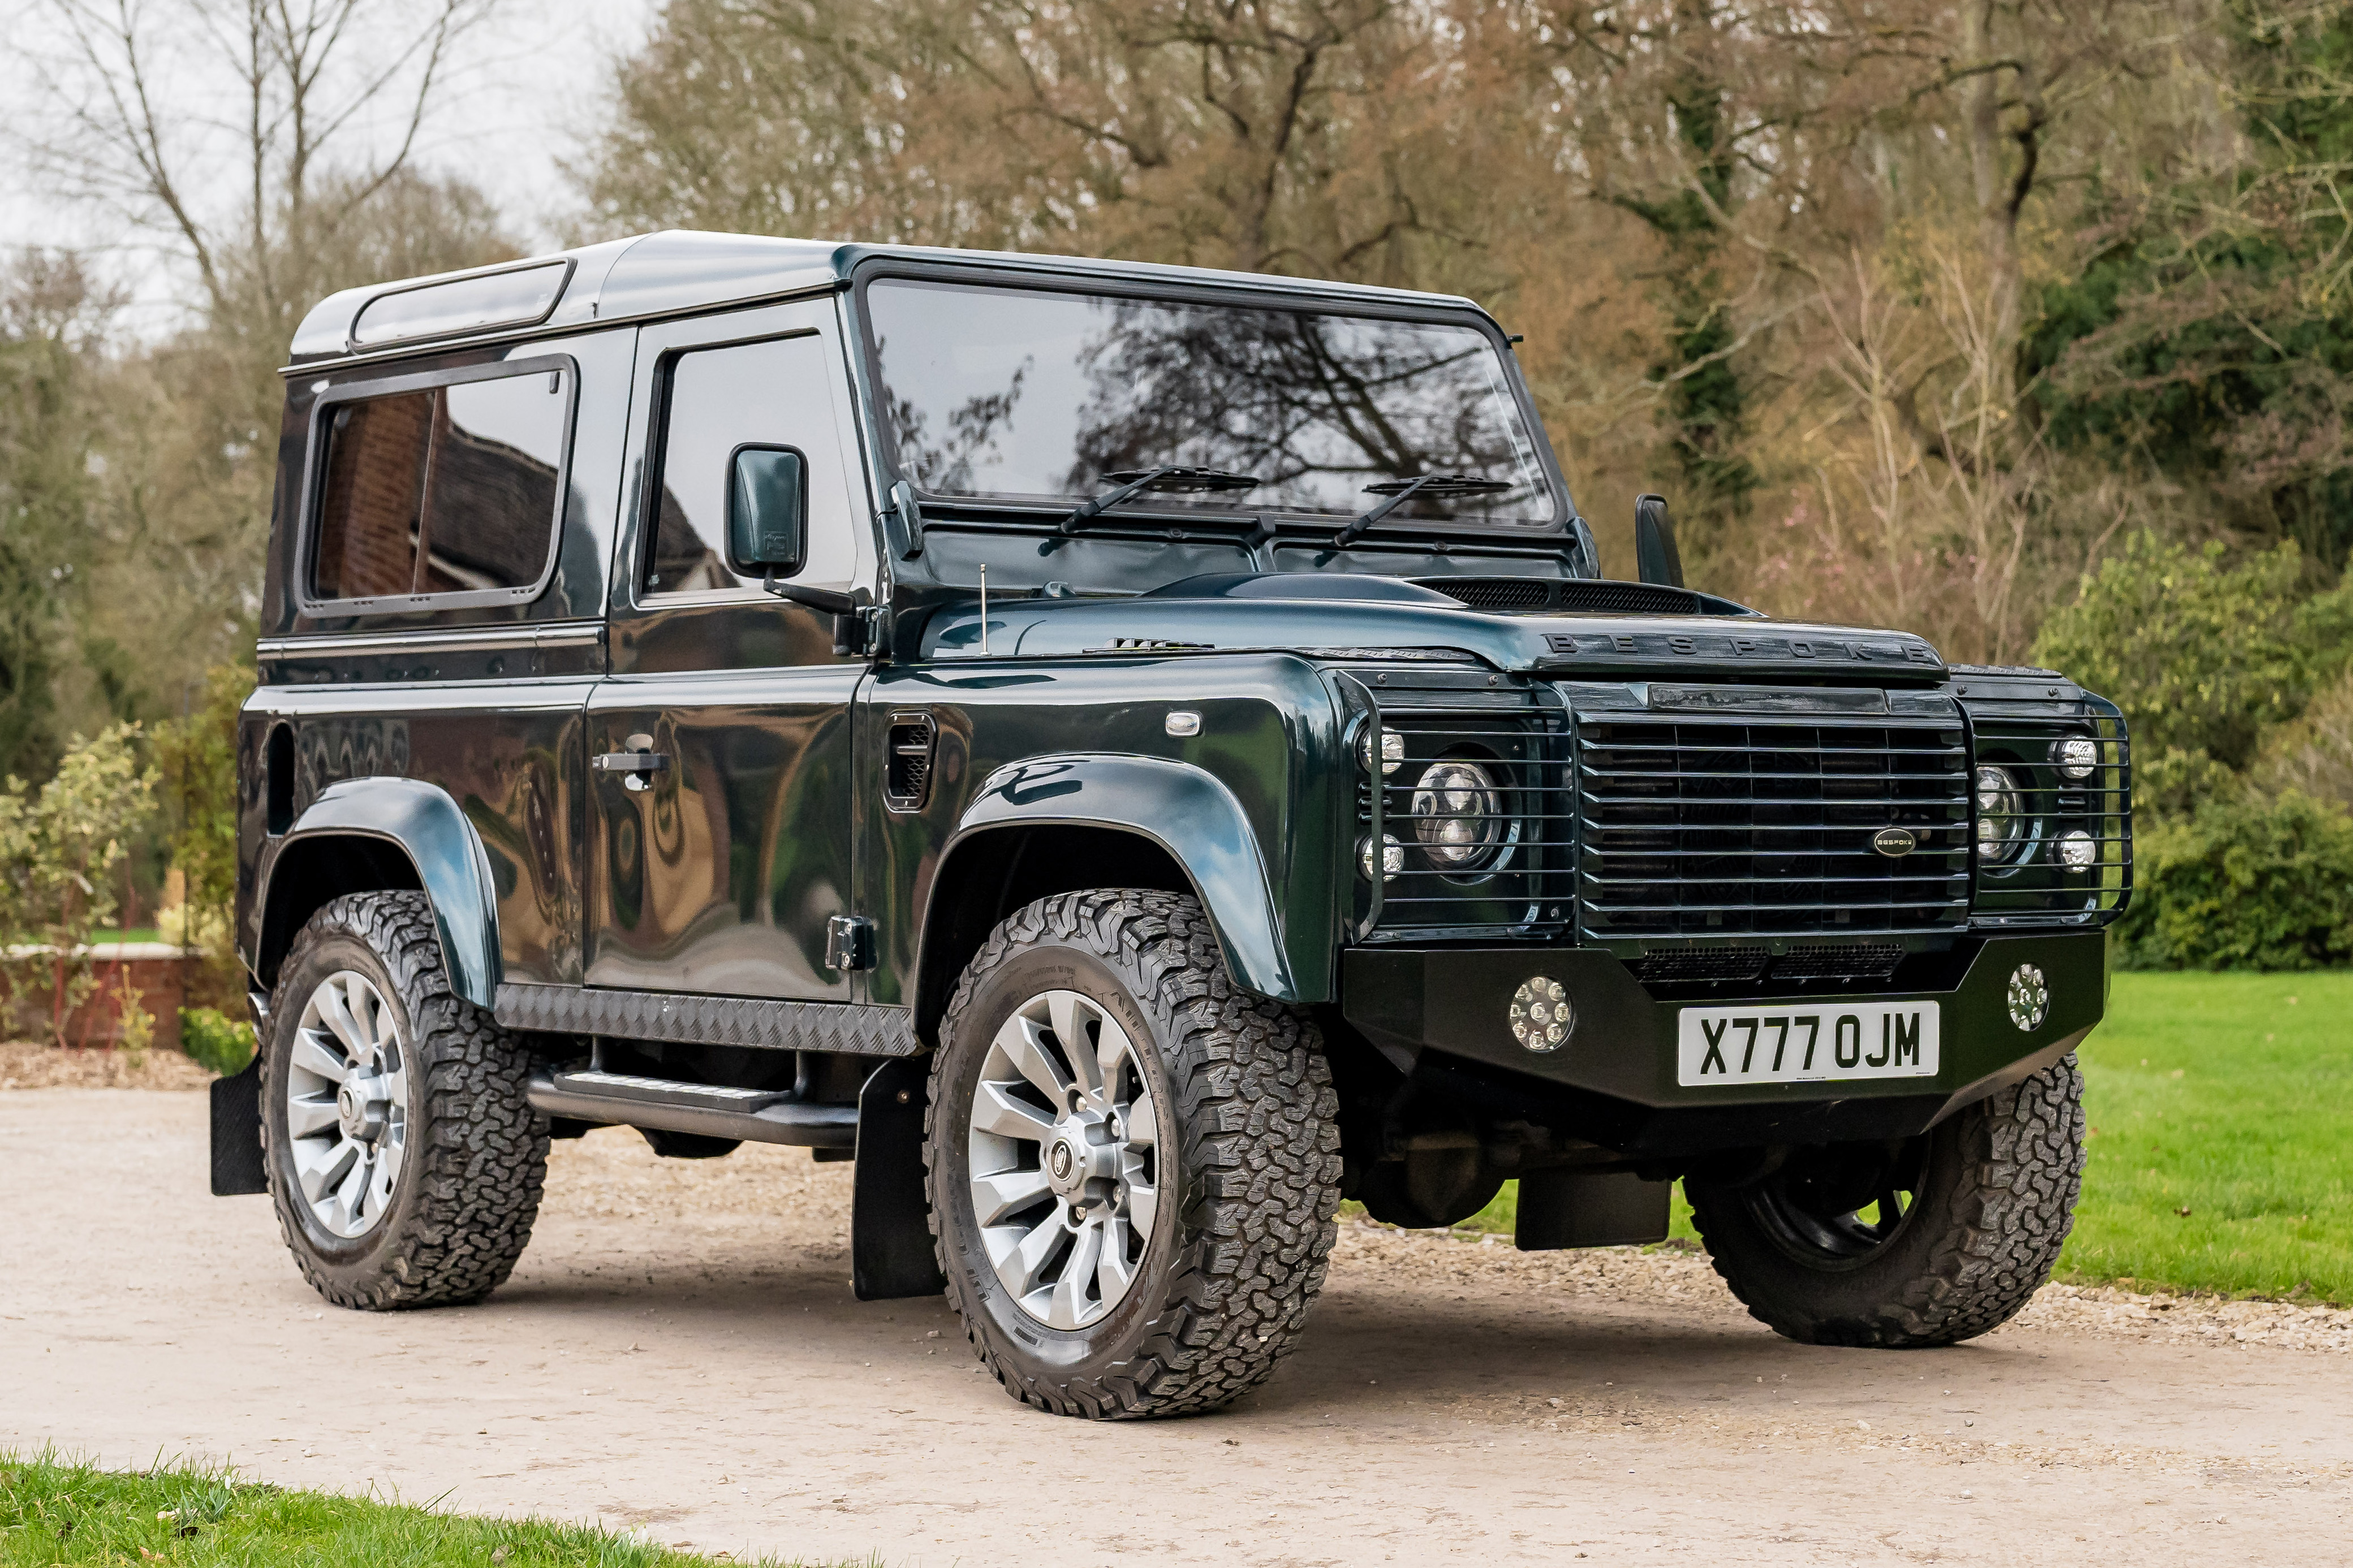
(1132, 756)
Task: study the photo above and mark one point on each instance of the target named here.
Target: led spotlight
(2077, 851)
(2076, 758)
(1541, 1019)
(1392, 750)
(1392, 857)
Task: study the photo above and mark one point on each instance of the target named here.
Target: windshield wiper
(1178, 479)
(1398, 490)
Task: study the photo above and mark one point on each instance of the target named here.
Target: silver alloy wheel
(347, 1103)
(1064, 1159)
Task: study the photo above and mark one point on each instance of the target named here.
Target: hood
(1369, 617)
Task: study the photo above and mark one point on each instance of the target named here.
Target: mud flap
(236, 1132)
(890, 1227)
(1573, 1208)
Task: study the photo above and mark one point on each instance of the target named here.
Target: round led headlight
(2001, 813)
(1392, 857)
(1458, 816)
(2075, 758)
(1392, 749)
(1541, 1019)
(2077, 850)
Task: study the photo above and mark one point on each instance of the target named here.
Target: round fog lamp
(2076, 758)
(1541, 1019)
(2077, 851)
(1457, 814)
(1392, 750)
(1392, 857)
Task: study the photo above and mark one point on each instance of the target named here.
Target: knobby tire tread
(479, 1153)
(1257, 1114)
(2022, 1152)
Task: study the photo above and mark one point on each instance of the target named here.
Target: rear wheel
(404, 1160)
(1133, 1166)
(1921, 1241)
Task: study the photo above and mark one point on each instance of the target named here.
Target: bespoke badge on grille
(1895, 842)
(1802, 1044)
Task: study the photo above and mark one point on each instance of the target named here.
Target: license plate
(1804, 1044)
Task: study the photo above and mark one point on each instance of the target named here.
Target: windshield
(1023, 394)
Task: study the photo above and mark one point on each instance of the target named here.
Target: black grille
(1723, 828)
(1851, 961)
(1518, 738)
(1501, 593)
(1699, 963)
(907, 761)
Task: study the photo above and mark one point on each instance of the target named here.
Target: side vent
(907, 761)
(278, 776)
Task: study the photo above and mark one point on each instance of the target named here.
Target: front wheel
(1133, 1166)
(1919, 1241)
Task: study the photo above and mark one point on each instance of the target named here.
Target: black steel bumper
(1443, 1011)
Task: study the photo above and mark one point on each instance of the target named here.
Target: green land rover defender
(1132, 757)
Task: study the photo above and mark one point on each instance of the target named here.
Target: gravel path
(679, 1353)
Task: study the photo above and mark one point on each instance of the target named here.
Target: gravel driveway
(680, 1352)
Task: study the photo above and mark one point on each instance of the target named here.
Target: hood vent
(1579, 596)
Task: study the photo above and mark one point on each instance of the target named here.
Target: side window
(776, 393)
(450, 490)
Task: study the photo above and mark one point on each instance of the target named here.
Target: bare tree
(317, 105)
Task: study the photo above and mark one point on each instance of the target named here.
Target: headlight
(2077, 850)
(1457, 815)
(2075, 758)
(1392, 749)
(1392, 857)
(2002, 813)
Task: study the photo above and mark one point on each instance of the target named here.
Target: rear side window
(446, 489)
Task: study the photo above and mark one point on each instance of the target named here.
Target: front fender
(1186, 811)
(426, 825)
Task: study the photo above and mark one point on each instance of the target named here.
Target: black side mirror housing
(768, 509)
(1656, 559)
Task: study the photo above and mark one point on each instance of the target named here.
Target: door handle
(635, 767)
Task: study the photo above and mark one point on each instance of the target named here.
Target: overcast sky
(521, 96)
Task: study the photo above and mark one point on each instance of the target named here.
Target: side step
(750, 1115)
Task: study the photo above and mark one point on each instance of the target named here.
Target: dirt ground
(678, 1353)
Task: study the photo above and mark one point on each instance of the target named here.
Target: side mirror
(1656, 559)
(768, 509)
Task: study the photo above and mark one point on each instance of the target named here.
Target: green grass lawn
(2228, 1096)
(55, 1512)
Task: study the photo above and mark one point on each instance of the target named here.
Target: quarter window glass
(775, 394)
(449, 490)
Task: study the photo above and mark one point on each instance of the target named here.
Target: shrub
(213, 1039)
(2244, 884)
(62, 849)
(2201, 657)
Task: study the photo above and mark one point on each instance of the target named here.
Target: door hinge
(848, 942)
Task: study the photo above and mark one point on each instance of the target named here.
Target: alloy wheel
(1063, 1150)
(347, 1104)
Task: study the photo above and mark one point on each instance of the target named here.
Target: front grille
(1851, 961)
(1716, 964)
(1681, 964)
(1518, 738)
(1726, 828)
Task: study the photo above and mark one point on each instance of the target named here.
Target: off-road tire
(1996, 1202)
(1246, 1223)
(462, 1209)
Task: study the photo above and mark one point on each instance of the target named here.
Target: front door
(722, 843)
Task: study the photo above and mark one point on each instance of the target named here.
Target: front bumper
(1442, 1012)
